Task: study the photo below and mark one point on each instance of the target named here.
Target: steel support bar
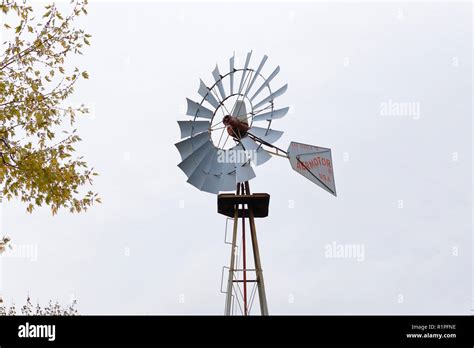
(244, 258)
(258, 265)
(228, 302)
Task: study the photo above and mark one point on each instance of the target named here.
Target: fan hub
(235, 127)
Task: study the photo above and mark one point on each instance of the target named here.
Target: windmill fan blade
(240, 111)
(240, 156)
(188, 146)
(224, 162)
(272, 115)
(244, 173)
(227, 182)
(232, 68)
(195, 109)
(220, 165)
(272, 96)
(262, 156)
(189, 128)
(218, 78)
(267, 135)
(256, 153)
(256, 74)
(211, 183)
(266, 82)
(248, 144)
(244, 72)
(209, 159)
(314, 163)
(198, 177)
(207, 94)
(192, 162)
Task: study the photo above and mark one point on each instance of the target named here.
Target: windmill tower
(229, 133)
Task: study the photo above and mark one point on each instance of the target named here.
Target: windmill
(231, 132)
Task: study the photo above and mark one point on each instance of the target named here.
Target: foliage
(51, 309)
(3, 244)
(37, 138)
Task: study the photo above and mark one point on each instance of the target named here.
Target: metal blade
(188, 146)
(258, 155)
(218, 78)
(195, 109)
(199, 175)
(257, 73)
(227, 182)
(232, 68)
(206, 93)
(268, 135)
(240, 111)
(249, 144)
(209, 160)
(216, 165)
(262, 156)
(211, 183)
(244, 72)
(224, 163)
(266, 82)
(244, 173)
(240, 156)
(197, 179)
(216, 168)
(192, 162)
(272, 96)
(236, 157)
(314, 163)
(189, 128)
(272, 115)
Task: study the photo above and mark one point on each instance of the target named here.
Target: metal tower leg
(256, 254)
(244, 261)
(228, 301)
(258, 266)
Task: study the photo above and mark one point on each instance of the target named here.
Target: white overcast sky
(404, 182)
